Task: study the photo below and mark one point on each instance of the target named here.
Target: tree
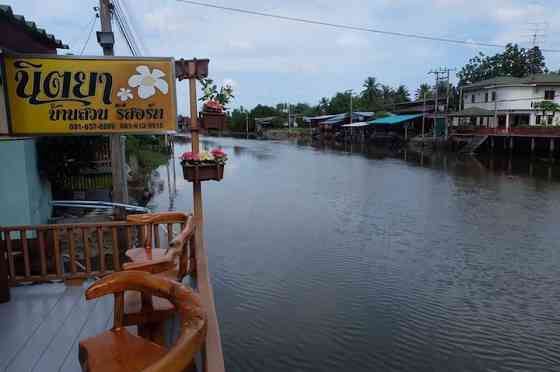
(513, 61)
(339, 103)
(388, 95)
(547, 107)
(423, 90)
(402, 94)
(324, 105)
(370, 93)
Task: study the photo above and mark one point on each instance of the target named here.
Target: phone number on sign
(92, 126)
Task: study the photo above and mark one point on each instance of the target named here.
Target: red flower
(190, 156)
(212, 105)
(218, 153)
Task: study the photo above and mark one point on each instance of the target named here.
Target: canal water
(355, 259)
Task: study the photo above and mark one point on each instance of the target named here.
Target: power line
(91, 27)
(125, 31)
(353, 28)
(133, 26)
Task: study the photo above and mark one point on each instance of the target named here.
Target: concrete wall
(24, 195)
(509, 98)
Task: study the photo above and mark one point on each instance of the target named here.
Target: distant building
(24, 194)
(262, 124)
(507, 102)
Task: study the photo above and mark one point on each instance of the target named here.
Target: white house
(507, 102)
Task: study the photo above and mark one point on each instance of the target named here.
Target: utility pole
(106, 40)
(350, 91)
(247, 124)
(441, 75)
(424, 117)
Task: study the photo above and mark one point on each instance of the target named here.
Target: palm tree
(324, 105)
(424, 89)
(371, 90)
(401, 94)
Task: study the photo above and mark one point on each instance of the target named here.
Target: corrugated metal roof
(356, 125)
(7, 13)
(394, 119)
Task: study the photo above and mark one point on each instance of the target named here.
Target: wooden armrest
(153, 266)
(184, 235)
(160, 217)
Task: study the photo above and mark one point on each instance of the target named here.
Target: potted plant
(204, 166)
(213, 115)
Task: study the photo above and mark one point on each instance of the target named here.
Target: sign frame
(6, 84)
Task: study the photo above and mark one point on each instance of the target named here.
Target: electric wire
(350, 27)
(91, 27)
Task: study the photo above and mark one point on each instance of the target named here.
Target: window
(549, 94)
(544, 119)
(486, 97)
(493, 96)
(472, 98)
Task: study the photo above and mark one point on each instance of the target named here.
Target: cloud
(274, 60)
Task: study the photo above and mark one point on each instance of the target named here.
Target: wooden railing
(41, 253)
(70, 251)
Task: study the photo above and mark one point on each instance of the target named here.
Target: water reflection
(356, 258)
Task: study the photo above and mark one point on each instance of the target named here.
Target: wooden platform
(42, 324)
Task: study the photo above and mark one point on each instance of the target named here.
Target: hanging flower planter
(205, 166)
(213, 115)
(213, 120)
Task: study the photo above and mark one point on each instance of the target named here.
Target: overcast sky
(271, 61)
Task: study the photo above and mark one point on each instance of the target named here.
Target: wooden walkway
(42, 325)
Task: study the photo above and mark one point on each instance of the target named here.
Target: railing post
(4, 277)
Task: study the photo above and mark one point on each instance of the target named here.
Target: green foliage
(513, 61)
(547, 106)
(210, 92)
(424, 90)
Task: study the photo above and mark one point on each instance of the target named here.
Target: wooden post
(197, 187)
(120, 189)
(4, 277)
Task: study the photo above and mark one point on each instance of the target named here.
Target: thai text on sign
(66, 95)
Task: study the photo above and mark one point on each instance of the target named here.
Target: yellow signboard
(73, 95)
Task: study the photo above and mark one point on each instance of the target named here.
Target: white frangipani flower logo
(124, 94)
(147, 81)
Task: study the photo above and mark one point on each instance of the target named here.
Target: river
(349, 259)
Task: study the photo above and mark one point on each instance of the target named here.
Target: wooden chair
(147, 251)
(148, 312)
(119, 350)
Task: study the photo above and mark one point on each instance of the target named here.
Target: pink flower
(218, 153)
(190, 156)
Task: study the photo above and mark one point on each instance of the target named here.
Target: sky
(269, 61)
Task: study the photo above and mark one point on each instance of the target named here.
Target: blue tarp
(394, 119)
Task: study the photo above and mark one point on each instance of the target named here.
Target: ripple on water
(324, 261)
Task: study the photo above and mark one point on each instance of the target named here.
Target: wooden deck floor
(42, 324)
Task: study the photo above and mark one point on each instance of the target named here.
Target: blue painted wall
(24, 195)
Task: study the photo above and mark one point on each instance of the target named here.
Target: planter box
(194, 173)
(213, 120)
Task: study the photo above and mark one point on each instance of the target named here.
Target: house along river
(348, 259)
